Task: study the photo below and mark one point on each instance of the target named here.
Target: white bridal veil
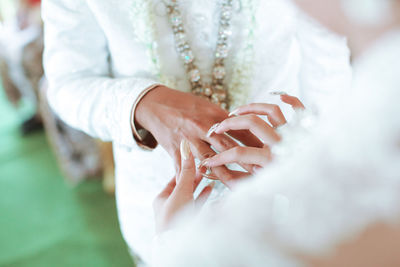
(339, 177)
(338, 180)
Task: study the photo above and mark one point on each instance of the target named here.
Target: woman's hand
(179, 191)
(170, 116)
(247, 118)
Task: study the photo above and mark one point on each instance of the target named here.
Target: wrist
(145, 108)
(142, 136)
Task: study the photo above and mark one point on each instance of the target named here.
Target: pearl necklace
(216, 92)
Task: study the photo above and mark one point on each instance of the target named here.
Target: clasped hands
(189, 127)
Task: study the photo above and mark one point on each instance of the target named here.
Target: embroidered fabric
(97, 63)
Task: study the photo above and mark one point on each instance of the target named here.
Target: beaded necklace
(239, 86)
(215, 91)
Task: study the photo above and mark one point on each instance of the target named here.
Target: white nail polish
(278, 93)
(212, 129)
(203, 163)
(233, 112)
(185, 150)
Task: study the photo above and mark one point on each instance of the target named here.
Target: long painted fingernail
(212, 129)
(203, 163)
(278, 93)
(234, 112)
(185, 149)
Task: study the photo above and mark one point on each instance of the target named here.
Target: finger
(176, 155)
(186, 177)
(293, 101)
(246, 155)
(254, 124)
(239, 176)
(166, 192)
(272, 111)
(246, 138)
(220, 142)
(204, 195)
(224, 142)
(174, 152)
(202, 151)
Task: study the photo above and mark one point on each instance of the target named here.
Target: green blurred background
(43, 220)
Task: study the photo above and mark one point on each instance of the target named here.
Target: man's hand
(171, 116)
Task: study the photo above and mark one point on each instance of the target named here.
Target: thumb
(186, 177)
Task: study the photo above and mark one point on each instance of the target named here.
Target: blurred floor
(44, 221)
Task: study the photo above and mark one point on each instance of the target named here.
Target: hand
(179, 192)
(170, 116)
(247, 118)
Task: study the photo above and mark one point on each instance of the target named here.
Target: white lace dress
(331, 185)
(100, 55)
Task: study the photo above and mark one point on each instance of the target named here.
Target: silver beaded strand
(216, 91)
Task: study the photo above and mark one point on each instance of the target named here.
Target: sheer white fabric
(96, 67)
(343, 177)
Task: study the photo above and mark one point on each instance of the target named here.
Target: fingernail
(278, 93)
(234, 112)
(203, 163)
(185, 149)
(212, 129)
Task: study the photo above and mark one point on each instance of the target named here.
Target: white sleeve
(325, 69)
(81, 89)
